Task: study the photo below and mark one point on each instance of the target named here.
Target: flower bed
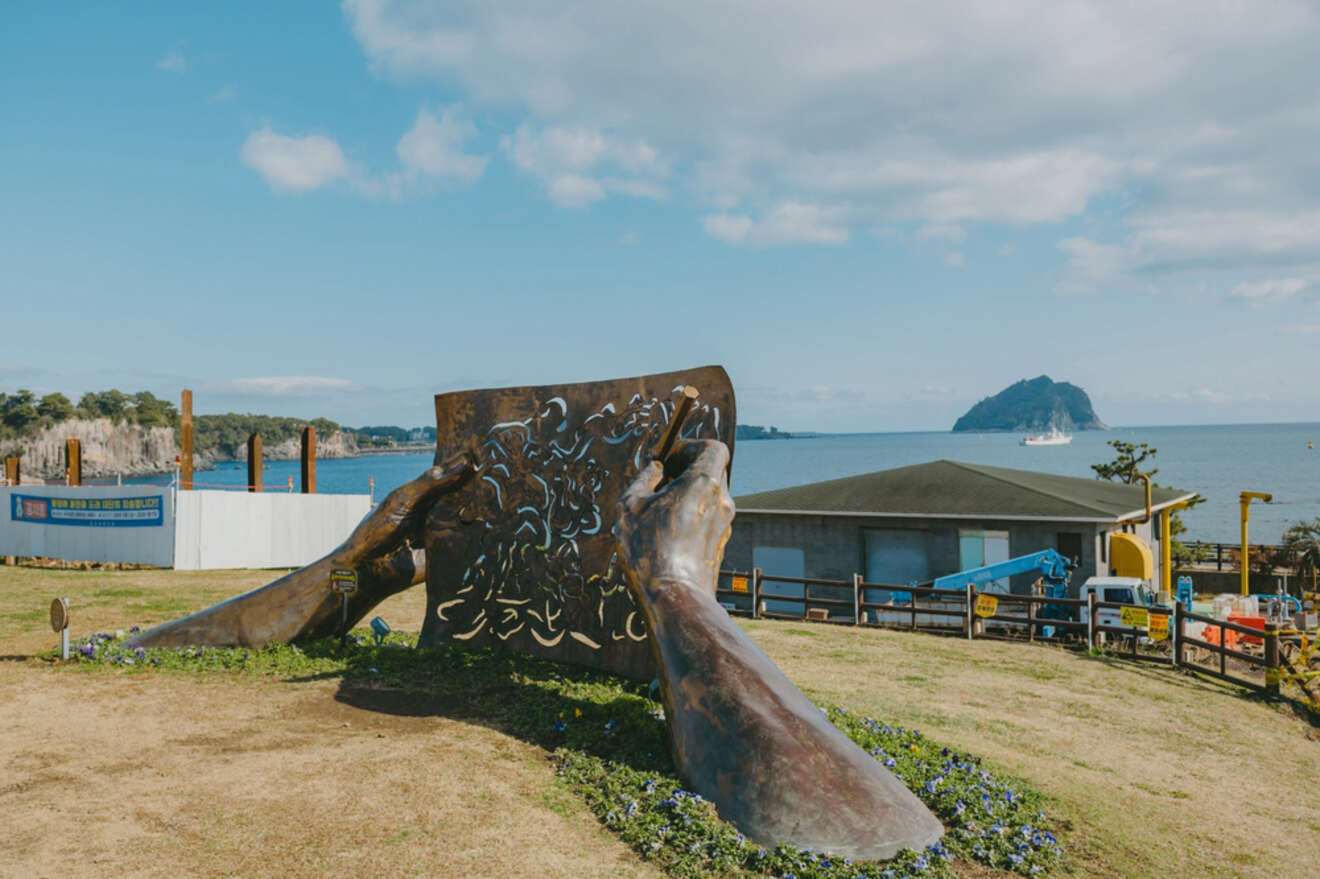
(610, 746)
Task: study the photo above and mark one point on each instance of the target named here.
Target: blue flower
(959, 807)
(1017, 859)
(560, 726)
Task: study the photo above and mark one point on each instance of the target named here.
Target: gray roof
(951, 489)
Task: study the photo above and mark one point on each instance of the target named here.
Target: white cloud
(289, 385)
(1091, 264)
(786, 223)
(569, 162)
(435, 147)
(294, 164)
(946, 114)
(172, 62)
(950, 232)
(954, 260)
(1260, 292)
(574, 191)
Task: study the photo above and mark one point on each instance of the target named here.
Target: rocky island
(1037, 405)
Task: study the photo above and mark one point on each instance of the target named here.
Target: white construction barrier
(188, 530)
(224, 529)
(100, 524)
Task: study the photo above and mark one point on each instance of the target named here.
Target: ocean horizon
(1215, 460)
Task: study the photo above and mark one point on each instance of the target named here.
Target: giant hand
(742, 735)
(386, 551)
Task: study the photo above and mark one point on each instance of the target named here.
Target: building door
(782, 561)
(897, 556)
(1070, 546)
(976, 549)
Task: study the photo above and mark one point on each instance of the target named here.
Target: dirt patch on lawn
(166, 775)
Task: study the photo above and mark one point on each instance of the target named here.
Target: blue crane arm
(1053, 568)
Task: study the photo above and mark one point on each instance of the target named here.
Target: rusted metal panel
(523, 557)
(186, 441)
(309, 460)
(254, 462)
(13, 471)
(73, 461)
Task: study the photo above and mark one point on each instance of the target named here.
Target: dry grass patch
(1159, 774)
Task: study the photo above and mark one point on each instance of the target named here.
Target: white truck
(1122, 590)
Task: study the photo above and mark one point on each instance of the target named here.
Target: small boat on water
(1053, 438)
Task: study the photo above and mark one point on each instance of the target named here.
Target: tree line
(23, 413)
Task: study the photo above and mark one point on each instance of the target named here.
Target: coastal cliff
(1033, 406)
(335, 445)
(124, 449)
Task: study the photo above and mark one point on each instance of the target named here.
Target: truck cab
(1123, 590)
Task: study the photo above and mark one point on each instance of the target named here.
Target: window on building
(782, 561)
(977, 549)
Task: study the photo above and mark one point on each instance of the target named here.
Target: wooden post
(756, 593)
(971, 611)
(186, 441)
(254, 462)
(1176, 633)
(73, 461)
(857, 599)
(13, 475)
(1272, 670)
(1090, 620)
(309, 460)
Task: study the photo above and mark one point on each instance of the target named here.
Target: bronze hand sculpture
(385, 550)
(544, 528)
(742, 735)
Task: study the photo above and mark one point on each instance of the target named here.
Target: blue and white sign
(96, 512)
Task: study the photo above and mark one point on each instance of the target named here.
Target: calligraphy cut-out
(523, 556)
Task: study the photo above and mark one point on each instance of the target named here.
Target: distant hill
(1033, 406)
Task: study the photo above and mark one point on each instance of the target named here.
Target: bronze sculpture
(741, 734)
(512, 531)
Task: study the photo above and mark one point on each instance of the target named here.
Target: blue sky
(872, 214)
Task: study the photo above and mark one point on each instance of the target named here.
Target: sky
(873, 214)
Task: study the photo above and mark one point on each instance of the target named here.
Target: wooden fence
(1141, 633)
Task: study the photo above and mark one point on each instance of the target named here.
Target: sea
(1216, 461)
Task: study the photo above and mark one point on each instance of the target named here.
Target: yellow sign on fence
(740, 584)
(986, 605)
(1134, 616)
(1159, 626)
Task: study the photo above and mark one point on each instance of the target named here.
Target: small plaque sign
(343, 580)
(986, 606)
(1135, 616)
(1159, 626)
(59, 614)
(740, 585)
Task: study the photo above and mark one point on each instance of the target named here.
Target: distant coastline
(757, 432)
